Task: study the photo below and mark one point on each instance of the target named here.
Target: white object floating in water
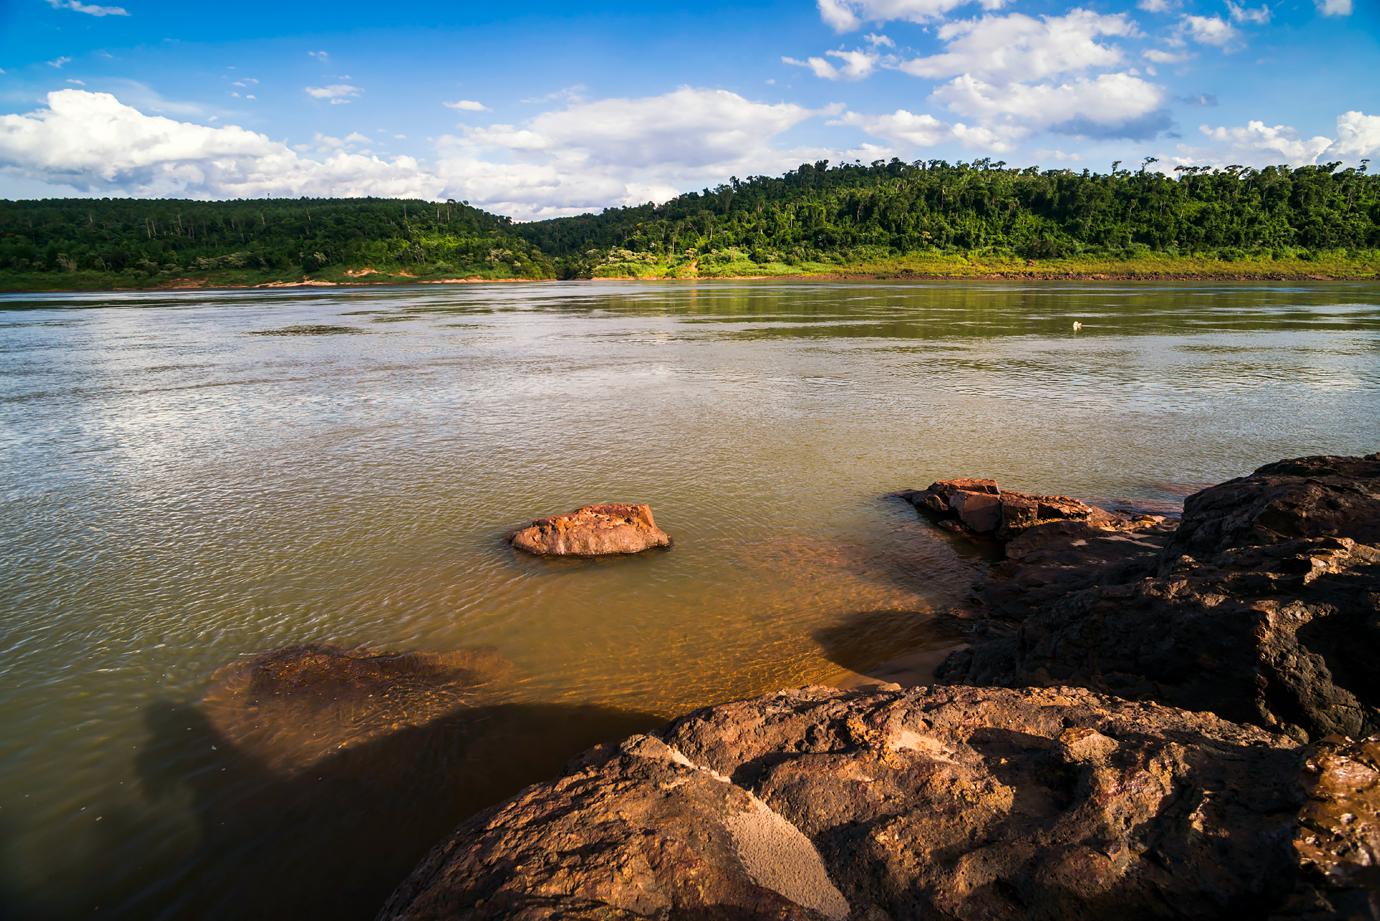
(1077, 326)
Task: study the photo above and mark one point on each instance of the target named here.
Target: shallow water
(196, 476)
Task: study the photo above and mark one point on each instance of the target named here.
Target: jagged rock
(1263, 607)
(594, 530)
(980, 506)
(290, 707)
(1338, 835)
(1049, 561)
(951, 802)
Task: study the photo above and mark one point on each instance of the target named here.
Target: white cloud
(89, 9)
(319, 55)
(466, 105)
(586, 155)
(1260, 144)
(1109, 105)
(1158, 6)
(1208, 30)
(93, 143)
(1334, 7)
(847, 15)
(1020, 47)
(75, 82)
(337, 93)
(621, 151)
(1161, 56)
(912, 131)
(1358, 135)
(853, 65)
(879, 41)
(245, 82)
(1257, 16)
(60, 62)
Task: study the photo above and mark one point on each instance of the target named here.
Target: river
(192, 477)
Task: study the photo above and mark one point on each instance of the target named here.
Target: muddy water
(190, 478)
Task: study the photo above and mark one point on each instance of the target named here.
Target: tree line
(820, 212)
(817, 213)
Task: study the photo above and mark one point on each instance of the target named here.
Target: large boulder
(1263, 606)
(594, 530)
(979, 506)
(947, 802)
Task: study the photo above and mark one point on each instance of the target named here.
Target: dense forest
(853, 213)
(136, 241)
(886, 218)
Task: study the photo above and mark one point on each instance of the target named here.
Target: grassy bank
(328, 276)
(731, 265)
(1321, 266)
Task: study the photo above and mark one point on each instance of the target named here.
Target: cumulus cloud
(1259, 144)
(911, 131)
(848, 15)
(591, 154)
(1162, 56)
(1208, 30)
(87, 8)
(466, 105)
(1020, 47)
(1158, 6)
(1358, 135)
(1109, 105)
(853, 65)
(1334, 7)
(586, 155)
(1256, 16)
(94, 143)
(337, 93)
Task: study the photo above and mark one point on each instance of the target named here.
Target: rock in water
(1263, 607)
(945, 802)
(981, 507)
(291, 707)
(594, 530)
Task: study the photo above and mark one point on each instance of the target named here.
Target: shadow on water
(335, 837)
(900, 646)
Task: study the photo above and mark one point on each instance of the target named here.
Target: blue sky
(536, 109)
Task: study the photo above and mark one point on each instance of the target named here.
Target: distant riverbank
(1321, 267)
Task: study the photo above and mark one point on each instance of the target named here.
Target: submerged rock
(949, 802)
(594, 530)
(290, 707)
(980, 506)
(1263, 606)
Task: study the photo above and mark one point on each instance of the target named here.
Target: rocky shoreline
(1152, 719)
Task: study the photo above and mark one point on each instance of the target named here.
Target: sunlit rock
(952, 802)
(594, 530)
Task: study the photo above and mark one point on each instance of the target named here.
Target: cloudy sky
(540, 109)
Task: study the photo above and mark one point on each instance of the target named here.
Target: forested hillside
(855, 215)
(887, 218)
(130, 242)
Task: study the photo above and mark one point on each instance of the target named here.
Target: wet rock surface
(979, 506)
(290, 707)
(1338, 835)
(594, 530)
(952, 802)
(1263, 605)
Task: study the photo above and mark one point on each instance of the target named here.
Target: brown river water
(193, 477)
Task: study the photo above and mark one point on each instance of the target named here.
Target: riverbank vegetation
(886, 219)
